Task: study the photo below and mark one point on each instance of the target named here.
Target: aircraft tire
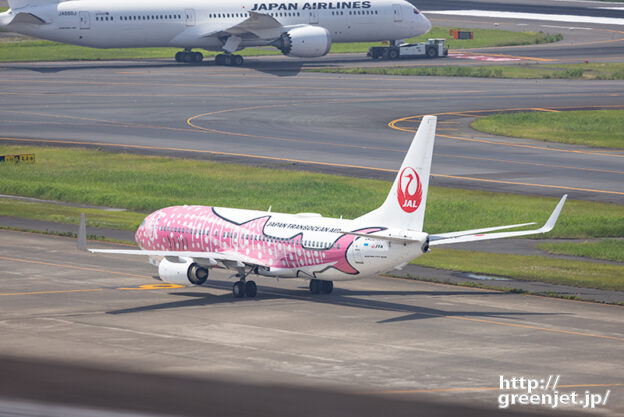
(238, 290)
(179, 56)
(188, 57)
(219, 59)
(315, 286)
(327, 287)
(227, 59)
(197, 57)
(237, 60)
(251, 289)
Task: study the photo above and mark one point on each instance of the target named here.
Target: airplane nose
(426, 23)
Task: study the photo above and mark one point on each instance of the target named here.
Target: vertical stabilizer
(404, 207)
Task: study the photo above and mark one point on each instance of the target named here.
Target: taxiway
(375, 337)
(330, 122)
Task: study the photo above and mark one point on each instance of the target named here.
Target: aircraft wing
(229, 259)
(477, 234)
(208, 258)
(256, 26)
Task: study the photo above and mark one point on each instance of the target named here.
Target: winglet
(554, 216)
(82, 234)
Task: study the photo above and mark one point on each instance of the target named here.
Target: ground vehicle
(433, 48)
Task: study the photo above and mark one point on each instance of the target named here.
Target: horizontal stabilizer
(20, 4)
(28, 18)
(395, 238)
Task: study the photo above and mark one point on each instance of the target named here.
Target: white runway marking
(487, 58)
(531, 16)
(565, 27)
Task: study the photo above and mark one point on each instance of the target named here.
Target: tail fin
(404, 207)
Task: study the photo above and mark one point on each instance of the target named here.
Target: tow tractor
(433, 48)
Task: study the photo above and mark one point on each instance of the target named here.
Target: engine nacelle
(305, 42)
(185, 272)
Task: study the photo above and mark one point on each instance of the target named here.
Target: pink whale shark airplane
(185, 242)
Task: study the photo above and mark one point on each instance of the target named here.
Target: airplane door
(357, 251)
(398, 14)
(84, 20)
(314, 17)
(190, 17)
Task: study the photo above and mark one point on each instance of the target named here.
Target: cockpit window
(416, 11)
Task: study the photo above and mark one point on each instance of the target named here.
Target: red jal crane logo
(410, 190)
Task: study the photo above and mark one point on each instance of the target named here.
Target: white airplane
(185, 242)
(297, 28)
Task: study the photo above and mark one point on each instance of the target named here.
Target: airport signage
(26, 157)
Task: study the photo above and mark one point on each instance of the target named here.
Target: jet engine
(184, 272)
(305, 42)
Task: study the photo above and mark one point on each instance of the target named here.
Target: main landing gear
(188, 56)
(229, 59)
(318, 286)
(244, 288)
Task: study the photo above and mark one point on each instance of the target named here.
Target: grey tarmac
(382, 336)
(331, 122)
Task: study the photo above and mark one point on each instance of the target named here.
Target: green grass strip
(481, 38)
(608, 249)
(591, 71)
(17, 49)
(121, 220)
(599, 128)
(577, 273)
(142, 184)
